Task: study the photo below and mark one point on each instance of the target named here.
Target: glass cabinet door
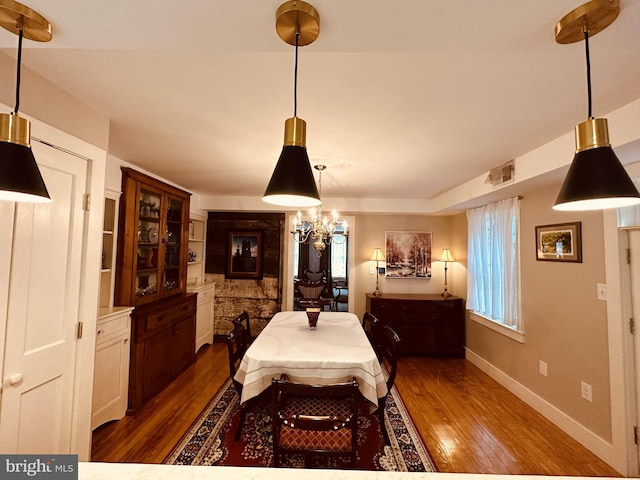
(148, 243)
(151, 262)
(173, 249)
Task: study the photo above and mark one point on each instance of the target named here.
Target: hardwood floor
(470, 423)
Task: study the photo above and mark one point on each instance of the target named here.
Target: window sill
(497, 327)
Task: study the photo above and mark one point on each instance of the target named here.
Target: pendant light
(292, 183)
(20, 178)
(596, 178)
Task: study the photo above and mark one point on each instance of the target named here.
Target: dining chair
(372, 328)
(314, 294)
(314, 419)
(341, 288)
(237, 346)
(314, 277)
(243, 319)
(389, 341)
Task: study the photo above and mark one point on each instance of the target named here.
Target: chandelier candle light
(446, 257)
(377, 256)
(319, 228)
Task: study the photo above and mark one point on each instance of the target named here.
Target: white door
(41, 310)
(634, 247)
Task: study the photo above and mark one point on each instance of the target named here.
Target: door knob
(15, 379)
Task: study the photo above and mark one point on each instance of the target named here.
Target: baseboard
(577, 431)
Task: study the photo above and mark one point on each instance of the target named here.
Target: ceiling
(403, 100)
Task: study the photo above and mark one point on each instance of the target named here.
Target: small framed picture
(244, 254)
(561, 242)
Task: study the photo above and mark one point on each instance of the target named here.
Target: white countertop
(132, 471)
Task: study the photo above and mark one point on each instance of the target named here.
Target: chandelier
(322, 230)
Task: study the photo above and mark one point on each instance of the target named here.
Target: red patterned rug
(210, 441)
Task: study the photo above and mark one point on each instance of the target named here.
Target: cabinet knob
(126, 340)
(175, 332)
(15, 379)
(100, 332)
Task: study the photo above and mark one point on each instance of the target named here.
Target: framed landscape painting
(244, 254)
(408, 254)
(561, 242)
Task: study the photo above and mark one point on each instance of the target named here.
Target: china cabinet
(152, 247)
(428, 324)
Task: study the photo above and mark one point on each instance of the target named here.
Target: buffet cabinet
(153, 239)
(428, 324)
(163, 336)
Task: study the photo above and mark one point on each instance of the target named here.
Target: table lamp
(377, 256)
(446, 257)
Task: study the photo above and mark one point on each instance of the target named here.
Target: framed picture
(244, 254)
(408, 254)
(561, 242)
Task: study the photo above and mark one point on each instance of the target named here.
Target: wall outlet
(372, 270)
(542, 368)
(585, 391)
(602, 291)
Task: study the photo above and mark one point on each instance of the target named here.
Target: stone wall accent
(257, 297)
(261, 298)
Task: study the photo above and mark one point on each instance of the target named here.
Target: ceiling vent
(502, 174)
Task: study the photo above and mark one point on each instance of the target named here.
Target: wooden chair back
(314, 277)
(237, 346)
(389, 341)
(243, 319)
(314, 419)
(312, 290)
(372, 327)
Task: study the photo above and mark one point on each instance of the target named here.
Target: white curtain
(493, 261)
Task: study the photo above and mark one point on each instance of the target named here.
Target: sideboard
(163, 339)
(427, 323)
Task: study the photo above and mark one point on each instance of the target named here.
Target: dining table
(335, 352)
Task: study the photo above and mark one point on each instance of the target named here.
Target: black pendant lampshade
(596, 178)
(20, 178)
(292, 183)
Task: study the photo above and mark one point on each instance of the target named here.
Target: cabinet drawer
(164, 318)
(205, 294)
(112, 326)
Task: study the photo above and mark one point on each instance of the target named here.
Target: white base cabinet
(204, 313)
(111, 375)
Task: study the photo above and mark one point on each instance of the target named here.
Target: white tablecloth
(336, 352)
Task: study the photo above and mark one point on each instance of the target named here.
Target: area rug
(209, 441)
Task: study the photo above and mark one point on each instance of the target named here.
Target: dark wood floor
(469, 422)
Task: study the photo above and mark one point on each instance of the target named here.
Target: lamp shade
(377, 255)
(446, 256)
(596, 180)
(292, 183)
(20, 179)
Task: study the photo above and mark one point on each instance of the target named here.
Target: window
(493, 272)
(339, 257)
